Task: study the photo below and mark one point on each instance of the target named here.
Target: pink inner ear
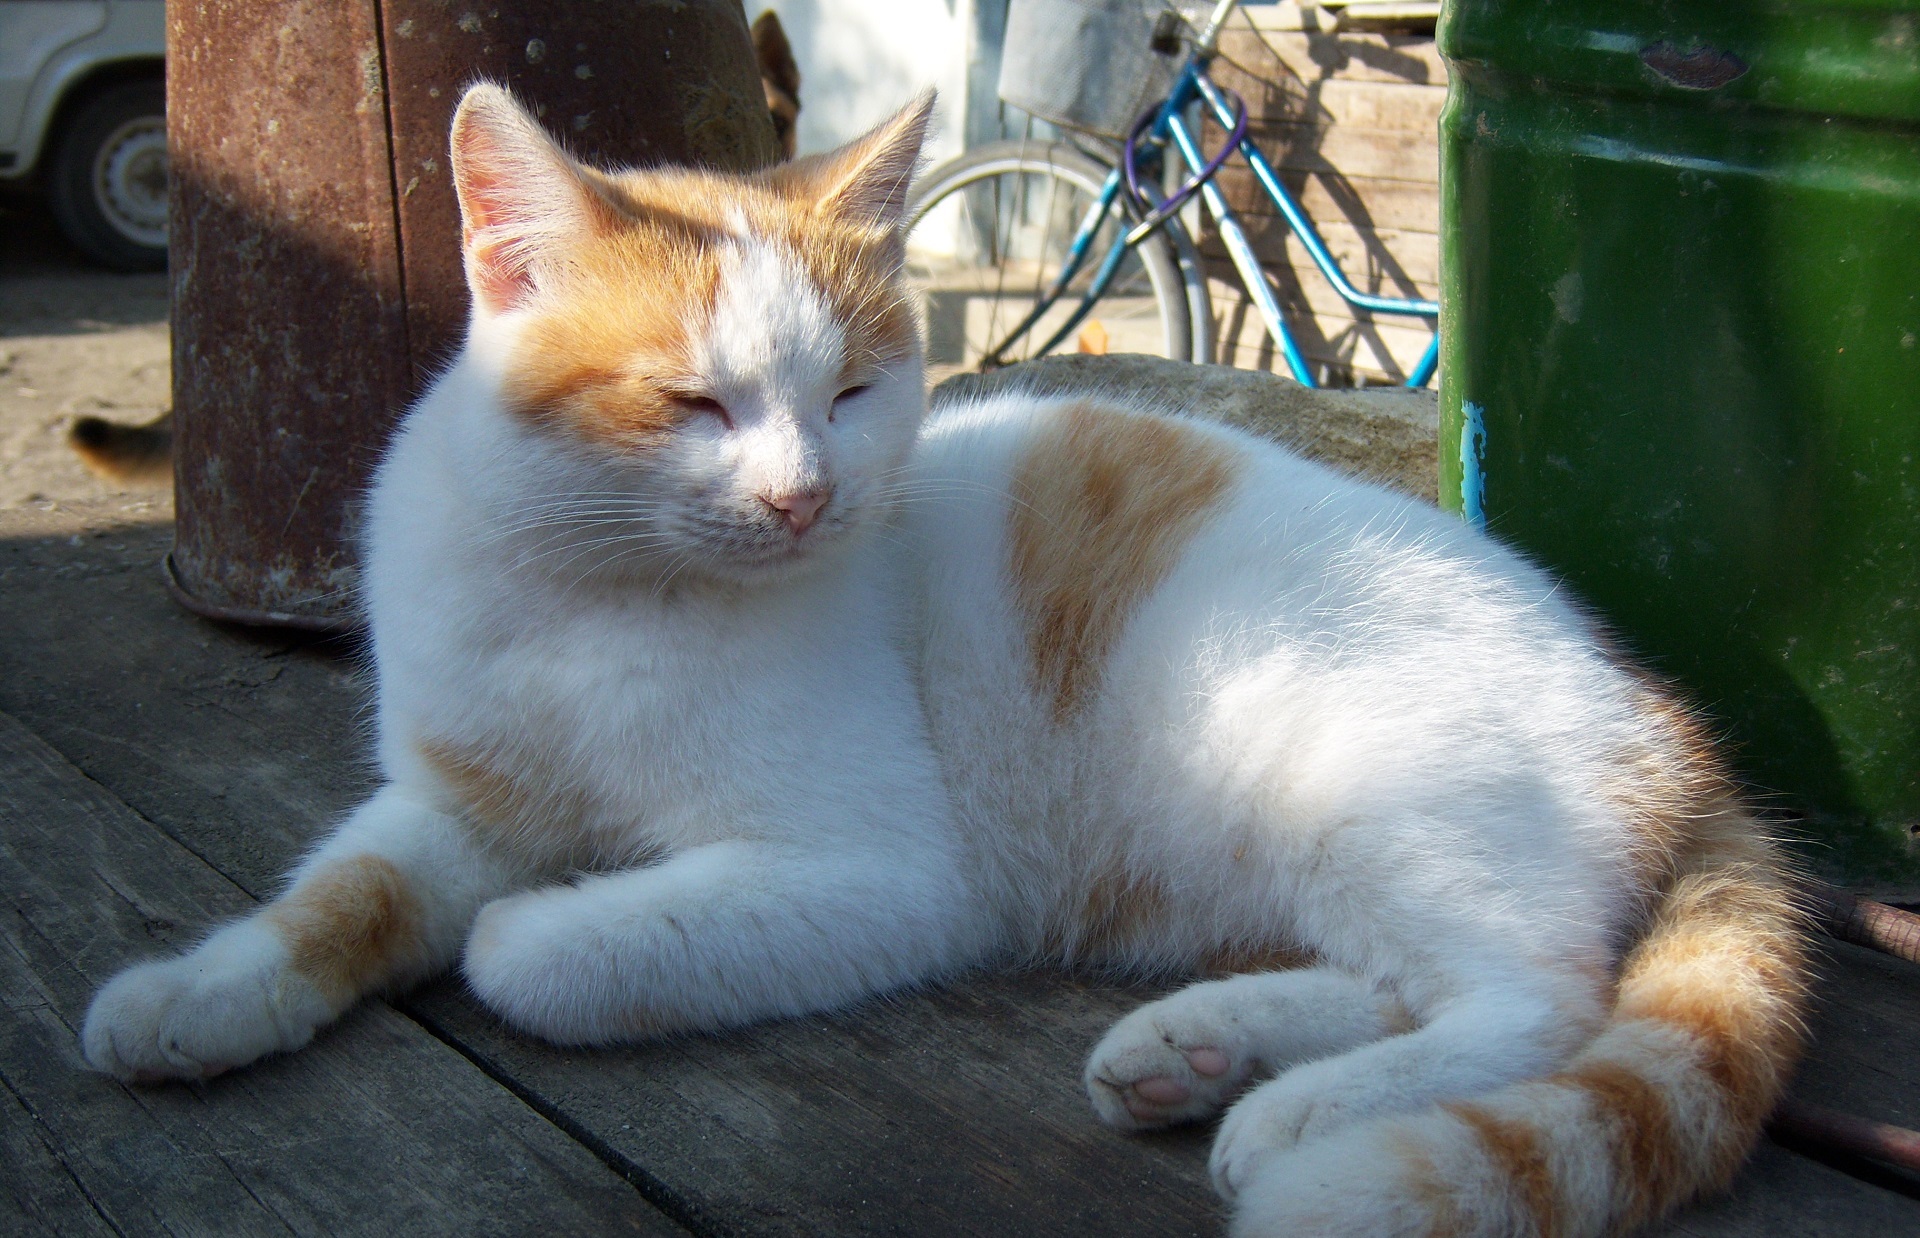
(497, 282)
(505, 218)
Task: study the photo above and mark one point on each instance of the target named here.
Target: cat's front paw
(221, 1006)
(527, 960)
(1304, 1104)
(1167, 1062)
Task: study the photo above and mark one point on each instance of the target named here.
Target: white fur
(1341, 721)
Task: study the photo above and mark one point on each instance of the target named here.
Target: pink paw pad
(1210, 1063)
(1161, 1090)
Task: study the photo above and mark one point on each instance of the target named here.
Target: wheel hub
(130, 180)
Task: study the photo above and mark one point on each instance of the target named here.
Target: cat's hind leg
(1185, 1057)
(384, 902)
(1504, 1021)
(717, 936)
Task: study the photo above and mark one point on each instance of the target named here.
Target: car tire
(108, 181)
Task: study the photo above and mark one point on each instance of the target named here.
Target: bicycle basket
(1089, 64)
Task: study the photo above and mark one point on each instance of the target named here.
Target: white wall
(861, 59)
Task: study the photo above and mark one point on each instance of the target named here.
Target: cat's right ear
(521, 197)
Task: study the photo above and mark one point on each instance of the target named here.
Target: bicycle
(985, 235)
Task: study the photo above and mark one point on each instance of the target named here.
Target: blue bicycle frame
(1170, 127)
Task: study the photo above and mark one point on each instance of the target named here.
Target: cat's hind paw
(1305, 1104)
(1163, 1064)
(193, 1017)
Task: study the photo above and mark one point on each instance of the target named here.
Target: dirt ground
(74, 340)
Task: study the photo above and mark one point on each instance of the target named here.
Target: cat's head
(726, 367)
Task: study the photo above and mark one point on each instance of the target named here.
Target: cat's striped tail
(1662, 1106)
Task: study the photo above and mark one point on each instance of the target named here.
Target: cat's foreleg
(1184, 1057)
(385, 901)
(1521, 1025)
(717, 936)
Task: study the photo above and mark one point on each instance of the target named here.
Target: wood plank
(1380, 349)
(1360, 201)
(1864, 1024)
(1388, 262)
(953, 1110)
(957, 1110)
(1340, 150)
(1781, 1194)
(38, 1194)
(1307, 57)
(376, 1128)
(1386, 107)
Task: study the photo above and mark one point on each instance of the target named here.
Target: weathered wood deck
(158, 772)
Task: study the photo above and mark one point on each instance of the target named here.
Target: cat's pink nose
(799, 508)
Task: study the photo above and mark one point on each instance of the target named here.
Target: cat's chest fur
(579, 727)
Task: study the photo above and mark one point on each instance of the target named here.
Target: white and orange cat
(714, 686)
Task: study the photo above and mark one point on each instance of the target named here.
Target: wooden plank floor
(158, 772)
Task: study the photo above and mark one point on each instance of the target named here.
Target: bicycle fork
(1076, 257)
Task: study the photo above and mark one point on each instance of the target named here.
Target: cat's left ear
(865, 182)
(523, 200)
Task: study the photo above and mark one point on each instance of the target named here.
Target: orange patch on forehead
(606, 352)
(1104, 503)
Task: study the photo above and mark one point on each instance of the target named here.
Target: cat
(779, 79)
(714, 686)
(114, 451)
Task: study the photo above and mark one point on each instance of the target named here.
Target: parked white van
(83, 118)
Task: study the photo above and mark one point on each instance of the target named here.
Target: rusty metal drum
(315, 241)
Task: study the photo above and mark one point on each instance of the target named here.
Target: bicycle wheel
(988, 233)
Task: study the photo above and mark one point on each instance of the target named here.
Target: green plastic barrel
(1680, 249)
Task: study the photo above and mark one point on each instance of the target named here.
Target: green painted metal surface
(1681, 288)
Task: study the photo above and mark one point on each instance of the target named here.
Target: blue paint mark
(1473, 457)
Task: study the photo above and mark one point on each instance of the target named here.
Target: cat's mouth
(779, 544)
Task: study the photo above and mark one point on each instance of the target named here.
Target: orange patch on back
(1515, 1150)
(1105, 501)
(349, 926)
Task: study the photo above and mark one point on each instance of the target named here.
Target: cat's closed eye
(705, 405)
(846, 395)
